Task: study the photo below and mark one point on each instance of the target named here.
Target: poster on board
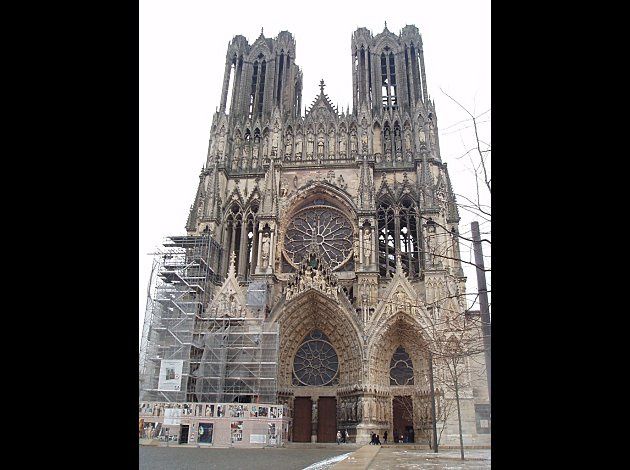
(170, 375)
(172, 416)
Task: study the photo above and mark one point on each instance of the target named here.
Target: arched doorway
(320, 352)
(398, 351)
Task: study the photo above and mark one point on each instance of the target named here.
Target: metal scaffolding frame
(225, 359)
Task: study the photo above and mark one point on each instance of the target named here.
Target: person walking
(338, 437)
(345, 436)
(385, 437)
(378, 440)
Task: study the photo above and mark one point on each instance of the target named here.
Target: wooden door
(302, 415)
(326, 419)
(403, 419)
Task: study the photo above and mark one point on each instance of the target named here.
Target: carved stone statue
(331, 144)
(365, 298)
(353, 142)
(232, 306)
(237, 151)
(298, 147)
(342, 145)
(320, 148)
(421, 135)
(341, 182)
(367, 245)
(266, 244)
(223, 303)
(364, 143)
(255, 151)
(221, 143)
(432, 137)
(265, 147)
(397, 140)
(310, 146)
(274, 144)
(288, 145)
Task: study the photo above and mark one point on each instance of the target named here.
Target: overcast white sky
(182, 59)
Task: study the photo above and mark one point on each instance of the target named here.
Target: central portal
(327, 419)
(403, 419)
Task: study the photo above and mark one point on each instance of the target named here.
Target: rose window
(316, 361)
(323, 226)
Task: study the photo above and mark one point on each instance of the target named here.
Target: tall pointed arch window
(240, 229)
(252, 94)
(230, 89)
(392, 81)
(261, 87)
(398, 235)
(386, 240)
(384, 82)
(280, 73)
(388, 79)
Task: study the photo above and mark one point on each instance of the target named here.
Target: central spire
(321, 86)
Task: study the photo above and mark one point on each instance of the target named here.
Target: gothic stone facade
(350, 219)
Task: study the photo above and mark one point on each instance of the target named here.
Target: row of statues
(312, 278)
(363, 409)
(247, 152)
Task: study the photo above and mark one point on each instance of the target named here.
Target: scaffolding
(224, 358)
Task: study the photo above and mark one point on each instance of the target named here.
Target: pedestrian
(345, 436)
(378, 440)
(385, 437)
(373, 440)
(338, 437)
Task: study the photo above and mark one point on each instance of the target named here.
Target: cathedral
(333, 234)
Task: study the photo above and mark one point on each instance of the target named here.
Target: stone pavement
(399, 457)
(311, 456)
(194, 458)
(359, 459)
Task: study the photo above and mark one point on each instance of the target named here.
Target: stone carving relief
(312, 278)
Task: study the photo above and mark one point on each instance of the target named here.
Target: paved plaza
(304, 457)
(193, 458)
(391, 457)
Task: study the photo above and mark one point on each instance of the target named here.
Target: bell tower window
(252, 94)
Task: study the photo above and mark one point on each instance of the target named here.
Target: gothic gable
(399, 296)
(230, 300)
